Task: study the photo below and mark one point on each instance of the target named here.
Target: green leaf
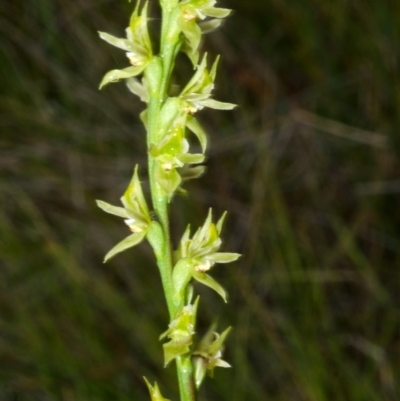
(197, 129)
(117, 75)
(125, 244)
(208, 281)
(115, 210)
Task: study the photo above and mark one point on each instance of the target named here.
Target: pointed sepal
(125, 244)
(155, 393)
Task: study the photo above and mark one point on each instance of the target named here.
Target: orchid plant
(168, 121)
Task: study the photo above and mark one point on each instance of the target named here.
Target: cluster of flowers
(173, 163)
(171, 152)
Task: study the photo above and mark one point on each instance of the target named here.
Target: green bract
(197, 255)
(191, 12)
(208, 354)
(137, 46)
(135, 212)
(180, 333)
(155, 393)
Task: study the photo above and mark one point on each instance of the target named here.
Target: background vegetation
(308, 166)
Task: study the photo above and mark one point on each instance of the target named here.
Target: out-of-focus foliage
(308, 167)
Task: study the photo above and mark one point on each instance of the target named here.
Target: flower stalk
(169, 120)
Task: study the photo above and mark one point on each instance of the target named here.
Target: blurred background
(308, 167)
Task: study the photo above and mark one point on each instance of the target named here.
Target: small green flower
(193, 12)
(137, 46)
(180, 332)
(136, 215)
(197, 93)
(172, 153)
(155, 392)
(208, 354)
(198, 255)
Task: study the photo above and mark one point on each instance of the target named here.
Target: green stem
(160, 199)
(185, 376)
(160, 204)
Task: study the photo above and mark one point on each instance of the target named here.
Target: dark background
(308, 167)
